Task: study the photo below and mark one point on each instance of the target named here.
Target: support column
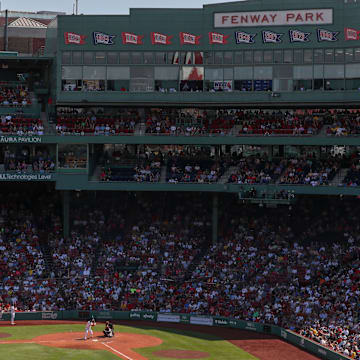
(215, 218)
(66, 213)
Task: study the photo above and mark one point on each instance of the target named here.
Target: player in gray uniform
(12, 314)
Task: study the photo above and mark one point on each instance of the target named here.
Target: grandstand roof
(24, 22)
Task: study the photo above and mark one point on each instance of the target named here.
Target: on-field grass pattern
(172, 339)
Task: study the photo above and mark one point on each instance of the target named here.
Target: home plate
(95, 340)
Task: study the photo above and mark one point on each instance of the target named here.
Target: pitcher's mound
(181, 354)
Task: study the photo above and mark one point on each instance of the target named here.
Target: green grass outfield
(218, 348)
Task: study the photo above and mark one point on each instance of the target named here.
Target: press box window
(148, 57)
(112, 58)
(77, 57)
(66, 58)
(124, 57)
(88, 57)
(100, 58)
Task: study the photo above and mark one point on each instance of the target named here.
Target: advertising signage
(273, 18)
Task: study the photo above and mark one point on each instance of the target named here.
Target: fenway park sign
(274, 18)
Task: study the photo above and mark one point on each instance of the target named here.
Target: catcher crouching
(109, 329)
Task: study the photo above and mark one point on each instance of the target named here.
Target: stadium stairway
(225, 177)
(163, 174)
(94, 264)
(197, 259)
(49, 264)
(140, 129)
(48, 129)
(339, 177)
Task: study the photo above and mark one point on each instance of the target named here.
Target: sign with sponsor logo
(242, 37)
(134, 315)
(104, 315)
(148, 316)
(189, 39)
(160, 39)
(185, 319)
(72, 38)
(130, 38)
(351, 34)
(27, 177)
(274, 18)
(168, 318)
(21, 139)
(221, 321)
(217, 38)
(103, 39)
(250, 326)
(201, 320)
(283, 334)
(298, 36)
(223, 85)
(51, 315)
(326, 35)
(271, 37)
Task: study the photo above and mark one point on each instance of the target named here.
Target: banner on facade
(217, 38)
(130, 38)
(298, 36)
(160, 39)
(103, 39)
(351, 34)
(72, 38)
(242, 37)
(326, 35)
(271, 37)
(189, 39)
(274, 18)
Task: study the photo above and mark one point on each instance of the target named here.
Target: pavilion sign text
(274, 18)
(20, 139)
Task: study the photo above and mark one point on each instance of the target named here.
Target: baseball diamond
(142, 341)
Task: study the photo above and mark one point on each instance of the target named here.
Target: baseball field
(63, 340)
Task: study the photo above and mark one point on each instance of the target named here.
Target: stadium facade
(239, 55)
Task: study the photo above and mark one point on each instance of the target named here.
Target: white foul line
(118, 352)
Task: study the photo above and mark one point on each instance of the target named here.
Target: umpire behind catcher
(109, 329)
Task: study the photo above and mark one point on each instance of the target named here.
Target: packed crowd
(199, 122)
(82, 122)
(41, 162)
(195, 167)
(188, 122)
(256, 170)
(310, 171)
(16, 96)
(23, 272)
(261, 122)
(343, 122)
(352, 178)
(297, 267)
(20, 124)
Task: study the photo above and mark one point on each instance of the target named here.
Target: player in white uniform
(12, 313)
(88, 329)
